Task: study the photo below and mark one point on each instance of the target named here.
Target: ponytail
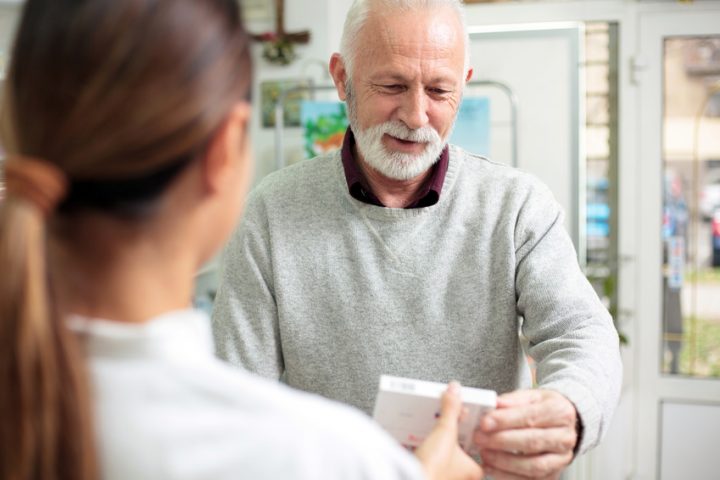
(44, 400)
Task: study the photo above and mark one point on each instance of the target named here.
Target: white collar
(178, 335)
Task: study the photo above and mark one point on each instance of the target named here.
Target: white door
(677, 341)
(541, 64)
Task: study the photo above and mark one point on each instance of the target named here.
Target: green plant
(606, 287)
(700, 354)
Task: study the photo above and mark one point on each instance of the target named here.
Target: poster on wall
(472, 127)
(324, 124)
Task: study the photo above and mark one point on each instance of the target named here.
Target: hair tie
(36, 181)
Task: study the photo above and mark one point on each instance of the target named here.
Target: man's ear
(228, 147)
(339, 75)
(469, 75)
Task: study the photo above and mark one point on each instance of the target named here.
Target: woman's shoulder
(246, 423)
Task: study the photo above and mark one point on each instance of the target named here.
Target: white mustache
(397, 129)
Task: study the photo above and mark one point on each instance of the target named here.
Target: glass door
(678, 211)
(691, 206)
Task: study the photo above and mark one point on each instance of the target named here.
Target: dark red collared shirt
(360, 189)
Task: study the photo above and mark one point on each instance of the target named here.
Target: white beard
(398, 165)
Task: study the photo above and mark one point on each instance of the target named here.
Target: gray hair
(360, 10)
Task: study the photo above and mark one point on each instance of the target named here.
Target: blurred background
(616, 106)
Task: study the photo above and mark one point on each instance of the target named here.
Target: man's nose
(414, 109)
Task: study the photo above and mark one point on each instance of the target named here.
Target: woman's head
(121, 95)
(118, 99)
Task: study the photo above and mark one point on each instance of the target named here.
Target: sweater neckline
(387, 213)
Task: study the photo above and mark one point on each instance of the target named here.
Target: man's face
(406, 89)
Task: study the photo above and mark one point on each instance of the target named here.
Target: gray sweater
(330, 292)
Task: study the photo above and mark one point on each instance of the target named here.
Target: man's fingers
(530, 435)
(529, 441)
(550, 411)
(530, 416)
(525, 466)
(500, 475)
(519, 397)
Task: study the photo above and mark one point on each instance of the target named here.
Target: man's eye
(394, 87)
(439, 91)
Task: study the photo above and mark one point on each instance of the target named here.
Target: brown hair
(119, 95)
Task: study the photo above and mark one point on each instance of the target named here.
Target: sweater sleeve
(570, 333)
(244, 319)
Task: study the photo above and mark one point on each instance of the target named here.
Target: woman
(125, 127)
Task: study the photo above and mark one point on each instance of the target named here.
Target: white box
(408, 409)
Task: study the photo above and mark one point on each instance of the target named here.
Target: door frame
(652, 386)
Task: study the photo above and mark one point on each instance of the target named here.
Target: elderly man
(403, 255)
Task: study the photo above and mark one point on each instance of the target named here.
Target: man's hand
(531, 434)
(440, 454)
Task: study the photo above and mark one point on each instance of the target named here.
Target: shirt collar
(179, 335)
(360, 189)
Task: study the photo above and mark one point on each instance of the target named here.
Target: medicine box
(408, 409)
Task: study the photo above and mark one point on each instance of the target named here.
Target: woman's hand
(440, 454)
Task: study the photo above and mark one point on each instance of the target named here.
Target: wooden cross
(280, 34)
